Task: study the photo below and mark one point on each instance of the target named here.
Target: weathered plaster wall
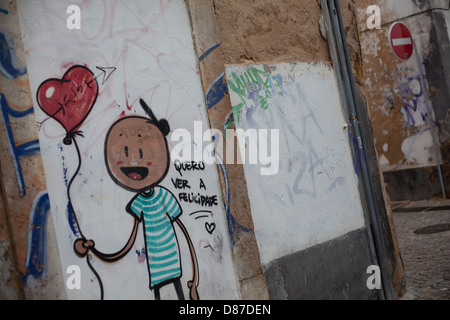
(309, 195)
(396, 127)
(10, 282)
(251, 35)
(399, 106)
(234, 185)
(35, 258)
(256, 31)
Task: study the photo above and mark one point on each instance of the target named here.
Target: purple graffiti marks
(141, 255)
(414, 101)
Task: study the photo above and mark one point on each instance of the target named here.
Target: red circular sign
(401, 41)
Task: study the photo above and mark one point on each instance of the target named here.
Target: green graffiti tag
(255, 85)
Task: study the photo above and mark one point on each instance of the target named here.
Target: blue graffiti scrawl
(37, 235)
(27, 149)
(214, 94)
(8, 62)
(216, 91)
(37, 243)
(218, 88)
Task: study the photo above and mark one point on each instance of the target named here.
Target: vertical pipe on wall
(379, 239)
(332, 9)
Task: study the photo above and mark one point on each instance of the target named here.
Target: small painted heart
(210, 227)
(70, 99)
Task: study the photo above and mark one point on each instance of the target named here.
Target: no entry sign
(401, 41)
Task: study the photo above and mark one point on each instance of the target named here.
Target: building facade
(248, 123)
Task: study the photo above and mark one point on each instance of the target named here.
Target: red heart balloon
(70, 99)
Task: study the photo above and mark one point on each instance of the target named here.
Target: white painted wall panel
(150, 45)
(313, 197)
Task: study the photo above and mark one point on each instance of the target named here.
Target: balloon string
(74, 217)
(96, 274)
(72, 211)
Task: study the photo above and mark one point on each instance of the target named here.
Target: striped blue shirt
(158, 208)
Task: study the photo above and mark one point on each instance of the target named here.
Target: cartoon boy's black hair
(162, 124)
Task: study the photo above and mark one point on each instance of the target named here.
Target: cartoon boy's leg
(157, 296)
(178, 289)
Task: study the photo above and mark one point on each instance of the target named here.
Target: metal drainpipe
(336, 25)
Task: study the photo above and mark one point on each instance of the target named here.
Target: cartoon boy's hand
(82, 246)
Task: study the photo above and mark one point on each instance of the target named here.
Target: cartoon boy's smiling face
(136, 153)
